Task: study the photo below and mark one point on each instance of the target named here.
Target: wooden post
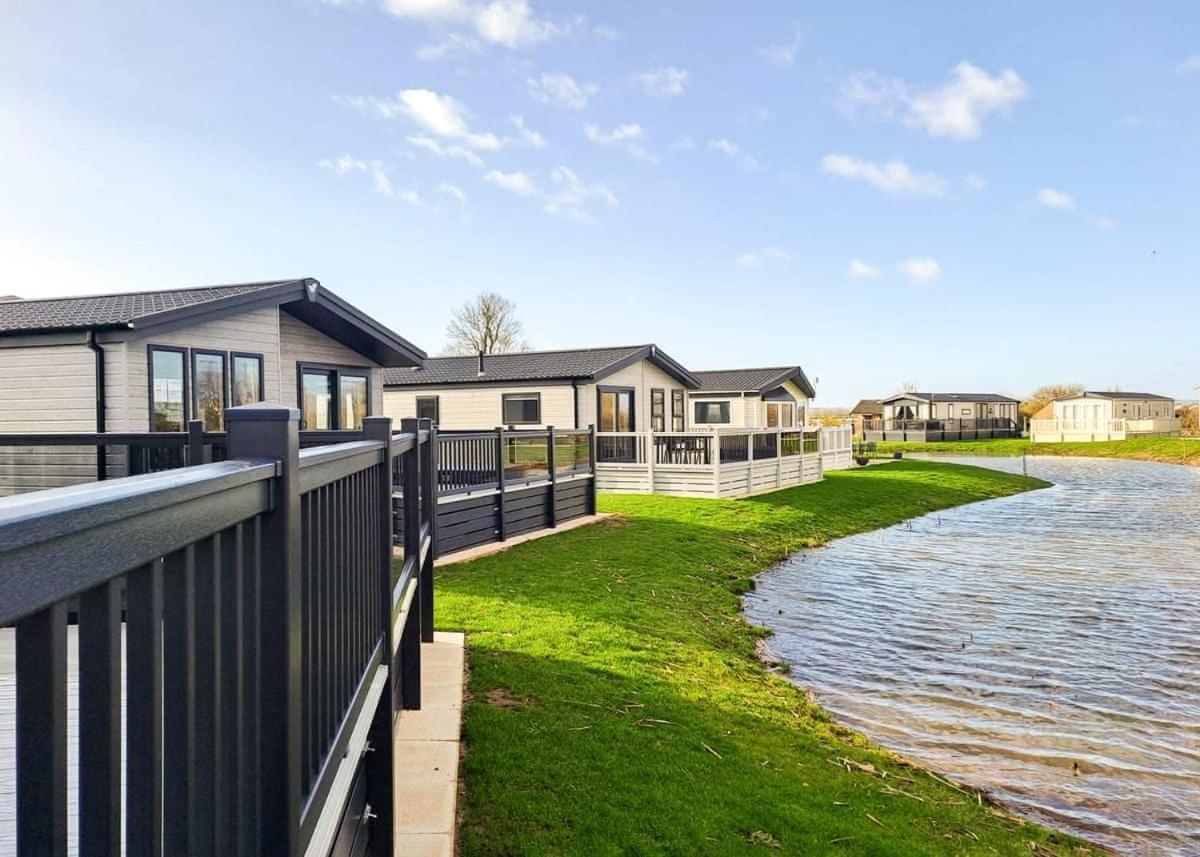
(500, 482)
(195, 430)
(552, 507)
(714, 445)
(408, 694)
(779, 456)
(591, 503)
(429, 507)
(273, 432)
(649, 453)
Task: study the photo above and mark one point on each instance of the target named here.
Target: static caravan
(945, 416)
(1095, 416)
(152, 361)
(626, 389)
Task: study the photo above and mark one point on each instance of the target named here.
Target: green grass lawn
(1172, 450)
(617, 706)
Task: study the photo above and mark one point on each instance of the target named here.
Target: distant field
(1172, 450)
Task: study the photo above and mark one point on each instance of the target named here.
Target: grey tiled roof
(747, 380)
(952, 397)
(79, 313)
(1119, 394)
(867, 407)
(583, 363)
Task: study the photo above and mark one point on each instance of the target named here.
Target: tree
(1040, 397)
(486, 324)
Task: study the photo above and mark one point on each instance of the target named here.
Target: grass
(617, 705)
(1171, 450)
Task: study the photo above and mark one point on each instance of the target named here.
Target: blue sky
(989, 198)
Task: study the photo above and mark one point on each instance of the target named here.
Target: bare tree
(1042, 396)
(486, 324)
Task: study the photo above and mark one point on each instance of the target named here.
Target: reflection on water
(1045, 647)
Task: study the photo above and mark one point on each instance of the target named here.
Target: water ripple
(1045, 646)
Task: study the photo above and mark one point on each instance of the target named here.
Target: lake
(1045, 647)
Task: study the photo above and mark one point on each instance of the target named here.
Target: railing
(1078, 426)
(696, 448)
(944, 425)
(481, 461)
(261, 633)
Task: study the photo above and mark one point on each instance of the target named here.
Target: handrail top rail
(315, 455)
(38, 515)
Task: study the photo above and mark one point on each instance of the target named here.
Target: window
(247, 379)
(352, 394)
(427, 408)
(710, 413)
(521, 408)
(316, 399)
(208, 388)
(168, 389)
(616, 409)
(678, 412)
(658, 410)
(781, 414)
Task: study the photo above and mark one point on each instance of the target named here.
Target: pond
(1045, 647)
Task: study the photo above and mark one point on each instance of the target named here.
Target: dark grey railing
(483, 460)
(262, 631)
(946, 425)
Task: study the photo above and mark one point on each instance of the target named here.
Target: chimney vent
(480, 363)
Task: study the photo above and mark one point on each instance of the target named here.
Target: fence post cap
(262, 412)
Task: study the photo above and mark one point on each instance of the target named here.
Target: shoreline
(1184, 452)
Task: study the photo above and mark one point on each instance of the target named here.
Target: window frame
(658, 409)
(262, 373)
(678, 395)
(601, 389)
(536, 395)
(336, 371)
(193, 353)
(186, 400)
(437, 407)
(724, 404)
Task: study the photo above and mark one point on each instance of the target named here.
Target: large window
(711, 413)
(521, 408)
(781, 414)
(247, 379)
(427, 408)
(658, 410)
(168, 389)
(678, 412)
(208, 388)
(616, 409)
(334, 397)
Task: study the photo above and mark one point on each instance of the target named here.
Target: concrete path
(427, 752)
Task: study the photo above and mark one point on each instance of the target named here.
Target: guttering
(101, 456)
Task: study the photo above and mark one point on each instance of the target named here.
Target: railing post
(716, 448)
(649, 454)
(429, 506)
(380, 764)
(552, 507)
(409, 696)
(500, 481)
(591, 505)
(273, 432)
(195, 432)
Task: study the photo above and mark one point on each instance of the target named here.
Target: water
(1045, 647)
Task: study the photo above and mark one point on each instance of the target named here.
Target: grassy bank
(1170, 450)
(617, 706)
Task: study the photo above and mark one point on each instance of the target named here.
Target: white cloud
(527, 136)
(759, 258)
(511, 23)
(1189, 65)
(860, 270)
(378, 173)
(571, 195)
(893, 177)
(921, 269)
(666, 82)
(451, 151)
(975, 181)
(733, 150)
(783, 55)
(453, 191)
(451, 46)
(1103, 223)
(1052, 198)
(519, 183)
(562, 90)
(625, 137)
(955, 109)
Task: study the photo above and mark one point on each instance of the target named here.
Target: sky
(981, 199)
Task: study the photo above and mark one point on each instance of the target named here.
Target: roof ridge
(541, 351)
(176, 289)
